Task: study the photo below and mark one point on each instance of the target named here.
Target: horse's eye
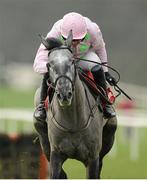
(48, 66)
(54, 71)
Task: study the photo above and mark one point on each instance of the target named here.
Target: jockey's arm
(41, 58)
(102, 54)
(99, 45)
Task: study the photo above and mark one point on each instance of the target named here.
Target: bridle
(53, 84)
(66, 77)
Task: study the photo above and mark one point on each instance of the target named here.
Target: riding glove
(111, 80)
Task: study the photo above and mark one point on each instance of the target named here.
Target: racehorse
(75, 127)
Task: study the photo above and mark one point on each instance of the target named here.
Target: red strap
(111, 96)
(46, 103)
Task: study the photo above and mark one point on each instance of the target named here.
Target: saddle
(96, 90)
(88, 79)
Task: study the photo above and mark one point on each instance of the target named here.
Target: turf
(13, 98)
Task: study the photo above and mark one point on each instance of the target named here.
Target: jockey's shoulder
(92, 26)
(55, 30)
(57, 23)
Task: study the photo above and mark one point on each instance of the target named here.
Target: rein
(98, 89)
(116, 87)
(102, 64)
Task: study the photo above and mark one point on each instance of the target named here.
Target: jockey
(87, 43)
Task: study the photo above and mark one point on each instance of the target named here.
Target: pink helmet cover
(75, 22)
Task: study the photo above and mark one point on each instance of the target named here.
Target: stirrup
(40, 112)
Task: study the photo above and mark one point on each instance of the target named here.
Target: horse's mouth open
(64, 100)
(64, 103)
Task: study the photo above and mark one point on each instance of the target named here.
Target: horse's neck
(80, 96)
(77, 114)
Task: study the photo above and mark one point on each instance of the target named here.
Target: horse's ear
(69, 39)
(44, 41)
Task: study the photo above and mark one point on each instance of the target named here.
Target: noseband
(66, 77)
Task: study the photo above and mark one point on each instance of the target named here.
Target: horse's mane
(53, 43)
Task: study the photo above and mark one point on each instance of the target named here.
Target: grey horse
(75, 127)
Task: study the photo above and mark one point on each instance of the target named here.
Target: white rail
(126, 118)
(132, 120)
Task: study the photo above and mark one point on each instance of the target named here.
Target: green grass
(13, 98)
(117, 164)
(121, 165)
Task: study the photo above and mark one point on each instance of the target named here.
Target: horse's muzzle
(64, 98)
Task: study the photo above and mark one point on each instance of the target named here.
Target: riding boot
(40, 112)
(100, 80)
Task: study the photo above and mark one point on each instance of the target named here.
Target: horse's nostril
(58, 96)
(69, 95)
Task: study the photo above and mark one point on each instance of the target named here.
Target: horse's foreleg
(63, 174)
(107, 139)
(93, 169)
(45, 146)
(42, 131)
(56, 162)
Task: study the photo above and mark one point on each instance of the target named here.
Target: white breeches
(92, 56)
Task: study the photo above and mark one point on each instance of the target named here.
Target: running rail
(133, 118)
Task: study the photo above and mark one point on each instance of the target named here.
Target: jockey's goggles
(80, 40)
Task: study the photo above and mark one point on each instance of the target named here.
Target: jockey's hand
(111, 80)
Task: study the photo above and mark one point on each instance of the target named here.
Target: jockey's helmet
(75, 22)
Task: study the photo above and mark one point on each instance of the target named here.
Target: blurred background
(124, 27)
